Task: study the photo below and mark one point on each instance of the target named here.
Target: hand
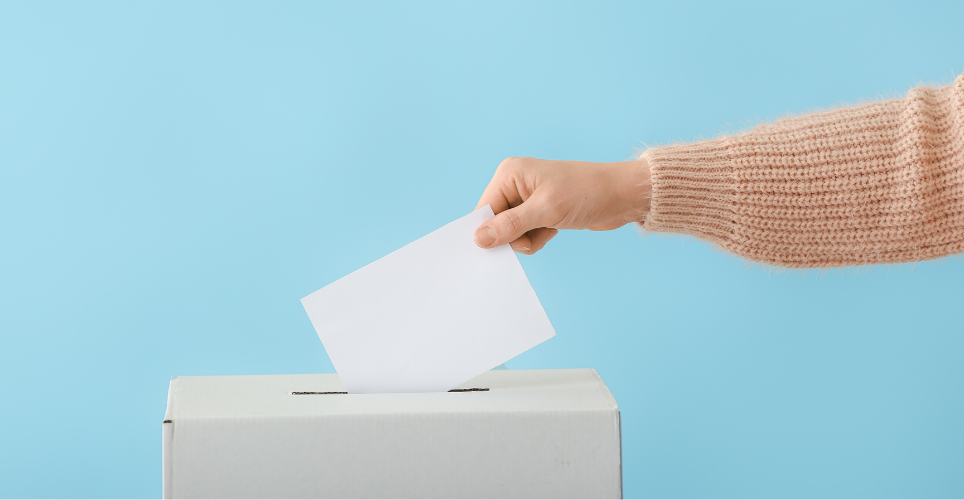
(533, 199)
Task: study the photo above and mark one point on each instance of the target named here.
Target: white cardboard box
(533, 433)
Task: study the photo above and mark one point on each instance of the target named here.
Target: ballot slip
(430, 315)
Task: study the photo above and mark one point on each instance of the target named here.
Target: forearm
(881, 182)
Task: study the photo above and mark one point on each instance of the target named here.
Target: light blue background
(174, 177)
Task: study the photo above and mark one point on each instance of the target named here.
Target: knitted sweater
(875, 183)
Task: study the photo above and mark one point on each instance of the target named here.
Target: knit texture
(877, 183)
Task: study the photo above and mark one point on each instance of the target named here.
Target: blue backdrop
(174, 177)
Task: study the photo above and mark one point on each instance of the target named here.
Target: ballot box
(504, 434)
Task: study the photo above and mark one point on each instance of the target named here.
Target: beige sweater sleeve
(876, 183)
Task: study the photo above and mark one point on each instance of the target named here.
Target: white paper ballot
(429, 316)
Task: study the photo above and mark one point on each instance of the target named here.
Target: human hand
(533, 199)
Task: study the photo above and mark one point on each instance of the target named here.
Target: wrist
(634, 189)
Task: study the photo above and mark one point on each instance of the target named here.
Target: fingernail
(484, 236)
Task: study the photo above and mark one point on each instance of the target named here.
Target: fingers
(494, 196)
(534, 240)
(508, 226)
(519, 212)
(509, 186)
(522, 244)
(542, 236)
(502, 191)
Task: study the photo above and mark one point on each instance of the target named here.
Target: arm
(877, 183)
(880, 182)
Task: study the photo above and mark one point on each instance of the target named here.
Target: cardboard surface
(533, 434)
(430, 315)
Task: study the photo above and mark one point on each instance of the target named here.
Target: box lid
(318, 394)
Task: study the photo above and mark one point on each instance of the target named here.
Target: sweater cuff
(694, 192)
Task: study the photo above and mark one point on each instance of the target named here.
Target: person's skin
(533, 199)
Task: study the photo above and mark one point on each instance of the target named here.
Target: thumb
(507, 226)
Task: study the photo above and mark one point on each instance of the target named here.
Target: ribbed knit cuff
(694, 191)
